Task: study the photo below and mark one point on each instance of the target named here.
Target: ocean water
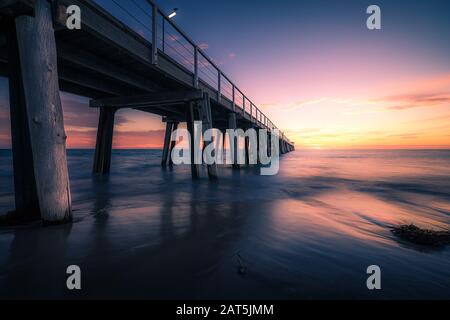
(309, 232)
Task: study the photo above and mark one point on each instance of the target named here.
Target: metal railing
(155, 26)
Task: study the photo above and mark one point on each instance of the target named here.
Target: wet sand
(310, 232)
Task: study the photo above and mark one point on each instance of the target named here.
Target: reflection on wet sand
(309, 232)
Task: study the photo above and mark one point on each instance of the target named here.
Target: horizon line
(303, 148)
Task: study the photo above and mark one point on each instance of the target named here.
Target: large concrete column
(282, 146)
(172, 144)
(190, 119)
(258, 147)
(167, 143)
(26, 198)
(247, 150)
(39, 73)
(206, 118)
(233, 139)
(103, 147)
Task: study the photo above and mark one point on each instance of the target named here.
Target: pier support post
(206, 118)
(258, 147)
(172, 144)
(103, 147)
(167, 143)
(26, 198)
(39, 78)
(190, 119)
(233, 140)
(247, 149)
(282, 147)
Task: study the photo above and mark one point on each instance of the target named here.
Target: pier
(161, 71)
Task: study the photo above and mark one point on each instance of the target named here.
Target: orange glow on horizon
(411, 115)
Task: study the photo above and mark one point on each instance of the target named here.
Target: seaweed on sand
(420, 236)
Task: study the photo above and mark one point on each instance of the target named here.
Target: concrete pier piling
(26, 199)
(172, 144)
(207, 123)
(167, 143)
(103, 147)
(39, 139)
(190, 119)
(233, 141)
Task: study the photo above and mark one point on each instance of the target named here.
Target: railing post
(154, 34)
(219, 85)
(233, 93)
(243, 106)
(196, 67)
(163, 34)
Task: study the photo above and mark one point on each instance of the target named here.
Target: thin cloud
(432, 119)
(405, 135)
(420, 97)
(203, 46)
(297, 105)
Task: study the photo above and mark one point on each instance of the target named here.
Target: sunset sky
(314, 68)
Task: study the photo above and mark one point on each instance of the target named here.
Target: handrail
(262, 119)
